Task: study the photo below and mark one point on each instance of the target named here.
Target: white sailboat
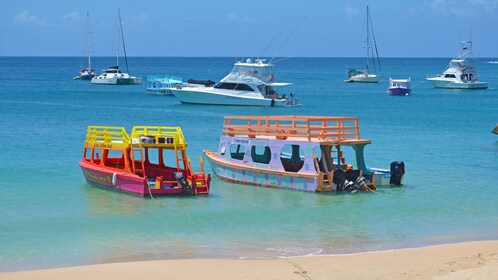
(367, 75)
(87, 73)
(113, 75)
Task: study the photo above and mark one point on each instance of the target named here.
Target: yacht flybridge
(248, 84)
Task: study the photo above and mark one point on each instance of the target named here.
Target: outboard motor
(186, 188)
(340, 179)
(397, 172)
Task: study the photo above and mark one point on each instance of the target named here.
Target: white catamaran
(367, 75)
(114, 76)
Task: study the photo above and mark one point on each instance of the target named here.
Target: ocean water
(50, 216)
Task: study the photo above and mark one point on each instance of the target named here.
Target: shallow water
(51, 217)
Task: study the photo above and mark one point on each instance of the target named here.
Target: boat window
(226, 85)
(292, 158)
(449, 76)
(97, 156)
(153, 156)
(243, 87)
(88, 154)
(114, 159)
(261, 154)
(169, 158)
(237, 151)
(223, 148)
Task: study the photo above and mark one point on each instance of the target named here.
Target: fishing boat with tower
(460, 72)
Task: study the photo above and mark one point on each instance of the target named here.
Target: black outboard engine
(186, 188)
(340, 179)
(397, 172)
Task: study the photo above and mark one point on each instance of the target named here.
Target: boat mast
(117, 24)
(88, 32)
(368, 39)
(375, 56)
(122, 39)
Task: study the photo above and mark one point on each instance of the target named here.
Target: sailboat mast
(368, 39)
(124, 47)
(88, 32)
(118, 25)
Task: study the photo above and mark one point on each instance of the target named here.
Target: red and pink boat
(150, 161)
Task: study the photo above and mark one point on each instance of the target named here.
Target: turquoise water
(51, 217)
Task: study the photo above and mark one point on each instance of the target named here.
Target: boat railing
(170, 137)
(313, 128)
(106, 137)
(164, 79)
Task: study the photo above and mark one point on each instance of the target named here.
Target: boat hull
(124, 182)
(364, 79)
(438, 83)
(117, 81)
(399, 91)
(193, 96)
(261, 177)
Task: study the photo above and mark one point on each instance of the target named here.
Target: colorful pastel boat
(162, 85)
(297, 152)
(399, 87)
(140, 163)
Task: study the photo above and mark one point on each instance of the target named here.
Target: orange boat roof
(324, 129)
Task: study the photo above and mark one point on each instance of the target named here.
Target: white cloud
(463, 8)
(139, 18)
(25, 17)
(74, 16)
(234, 18)
(351, 11)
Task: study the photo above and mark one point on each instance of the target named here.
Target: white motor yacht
(460, 73)
(248, 84)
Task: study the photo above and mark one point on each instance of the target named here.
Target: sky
(256, 28)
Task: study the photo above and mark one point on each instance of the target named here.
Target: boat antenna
(286, 40)
(122, 38)
(374, 41)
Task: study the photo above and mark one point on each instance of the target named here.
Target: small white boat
(113, 75)
(367, 75)
(162, 85)
(460, 73)
(399, 87)
(248, 84)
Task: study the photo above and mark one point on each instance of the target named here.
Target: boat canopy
(323, 129)
(114, 137)
(259, 69)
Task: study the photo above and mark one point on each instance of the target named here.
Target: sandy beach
(473, 260)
